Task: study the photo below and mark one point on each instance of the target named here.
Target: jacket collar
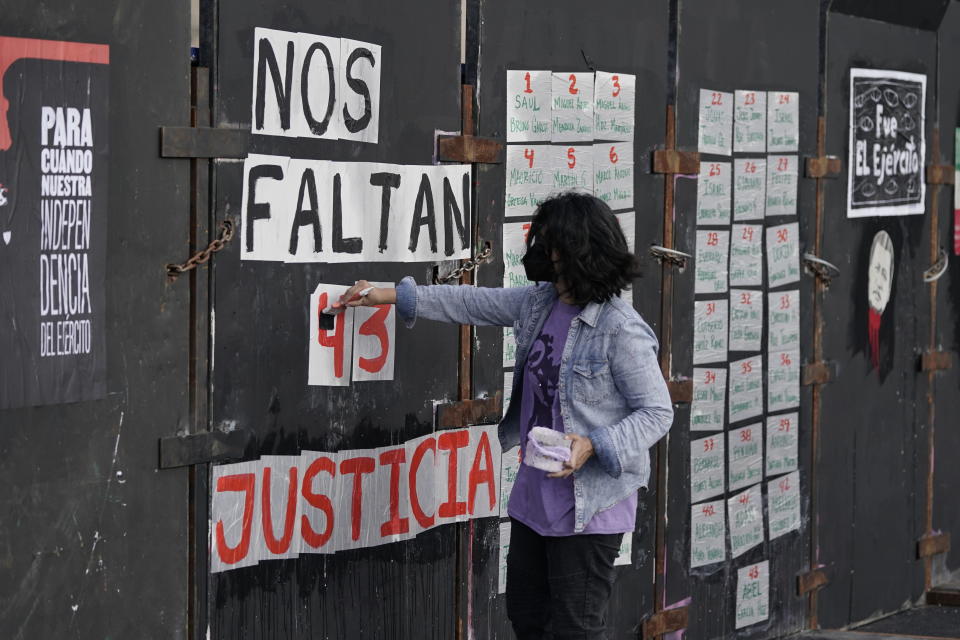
(547, 293)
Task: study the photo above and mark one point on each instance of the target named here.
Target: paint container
(547, 449)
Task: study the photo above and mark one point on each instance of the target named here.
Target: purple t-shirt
(544, 504)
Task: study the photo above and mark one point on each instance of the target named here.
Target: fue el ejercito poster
(54, 146)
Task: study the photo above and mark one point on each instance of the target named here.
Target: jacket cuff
(606, 452)
(407, 301)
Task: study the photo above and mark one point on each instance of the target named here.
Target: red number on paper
(784, 302)
(783, 98)
(573, 85)
(571, 158)
(708, 444)
(782, 164)
(784, 426)
(784, 485)
(750, 98)
(750, 167)
(716, 99)
(746, 367)
(745, 298)
(713, 238)
(783, 235)
(613, 155)
(526, 78)
(714, 169)
(334, 341)
(711, 307)
(746, 435)
(748, 233)
(529, 155)
(743, 499)
(785, 359)
(526, 229)
(754, 572)
(709, 377)
(375, 326)
(708, 510)
(616, 86)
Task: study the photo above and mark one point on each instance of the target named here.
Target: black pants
(558, 587)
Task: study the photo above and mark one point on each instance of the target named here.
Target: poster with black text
(53, 220)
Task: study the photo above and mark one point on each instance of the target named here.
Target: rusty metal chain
(202, 256)
(468, 265)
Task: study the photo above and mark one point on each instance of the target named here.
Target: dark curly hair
(593, 258)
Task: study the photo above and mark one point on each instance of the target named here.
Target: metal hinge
(681, 391)
(665, 622)
(673, 161)
(936, 360)
(812, 580)
(469, 149)
(818, 372)
(823, 167)
(203, 142)
(940, 173)
(933, 545)
(464, 413)
(200, 448)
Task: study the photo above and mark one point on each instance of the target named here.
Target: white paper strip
(783, 121)
(528, 106)
(709, 398)
(514, 248)
(264, 235)
(509, 347)
(706, 468)
(746, 255)
(502, 557)
(749, 188)
(318, 113)
(783, 254)
(529, 178)
(782, 443)
(708, 532)
(572, 100)
(613, 110)
(331, 351)
(716, 122)
(572, 167)
(783, 320)
(276, 42)
(781, 186)
(746, 388)
(745, 510)
(753, 594)
(713, 193)
(509, 468)
(613, 174)
(709, 331)
(625, 554)
(628, 223)
(746, 319)
(750, 122)
(713, 248)
(746, 456)
(507, 390)
(360, 114)
(783, 380)
(783, 504)
(374, 345)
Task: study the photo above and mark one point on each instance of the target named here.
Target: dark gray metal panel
(399, 590)
(94, 537)
(873, 445)
(748, 44)
(627, 37)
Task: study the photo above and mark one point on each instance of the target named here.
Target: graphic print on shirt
(543, 365)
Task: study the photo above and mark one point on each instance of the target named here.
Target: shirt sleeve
(460, 304)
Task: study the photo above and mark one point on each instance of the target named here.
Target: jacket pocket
(592, 382)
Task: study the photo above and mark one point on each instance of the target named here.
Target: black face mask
(538, 265)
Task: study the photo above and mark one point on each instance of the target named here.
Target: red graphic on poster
(879, 285)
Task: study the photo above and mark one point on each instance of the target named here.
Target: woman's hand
(580, 452)
(375, 296)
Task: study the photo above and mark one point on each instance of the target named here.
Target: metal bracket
(203, 142)
(933, 545)
(200, 448)
(681, 391)
(812, 580)
(670, 256)
(944, 596)
(936, 360)
(463, 413)
(673, 161)
(823, 270)
(940, 173)
(469, 149)
(818, 373)
(823, 167)
(939, 268)
(666, 621)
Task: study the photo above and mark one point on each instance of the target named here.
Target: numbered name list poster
(53, 222)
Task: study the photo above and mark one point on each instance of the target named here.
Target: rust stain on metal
(464, 413)
(940, 173)
(665, 622)
(936, 361)
(681, 391)
(671, 161)
(817, 373)
(932, 545)
(823, 167)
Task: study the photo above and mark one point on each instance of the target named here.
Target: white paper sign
(713, 193)
(783, 380)
(750, 122)
(628, 223)
(613, 174)
(265, 237)
(781, 186)
(613, 109)
(708, 529)
(528, 106)
(746, 456)
(572, 167)
(783, 254)
(514, 248)
(783, 320)
(374, 346)
(624, 555)
(529, 178)
(783, 121)
(749, 188)
(507, 390)
(706, 468)
(509, 347)
(710, 274)
(753, 594)
(745, 510)
(709, 331)
(509, 468)
(783, 504)
(716, 122)
(746, 388)
(360, 114)
(572, 100)
(782, 443)
(331, 351)
(746, 255)
(709, 399)
(502, 557)
(318, 112)
(746, 319)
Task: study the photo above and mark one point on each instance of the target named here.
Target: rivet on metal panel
(936, 360)
(812, 580)
(933, 545)
(940, 173)
(666, 621)
(823, 167)
(681, 391)
(673, 161)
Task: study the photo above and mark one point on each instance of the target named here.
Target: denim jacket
(611, 387)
